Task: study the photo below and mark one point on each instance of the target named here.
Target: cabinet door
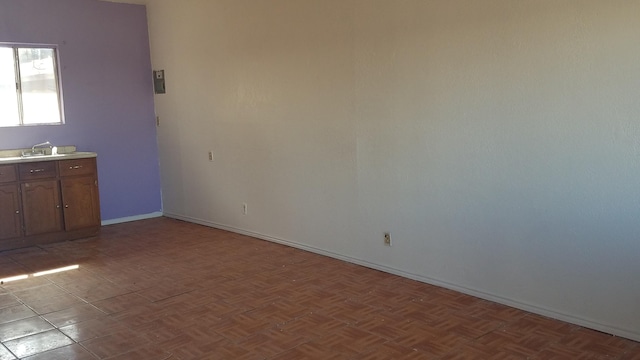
(8, 173)
(41, 207)
(81, 205)
(10, 218)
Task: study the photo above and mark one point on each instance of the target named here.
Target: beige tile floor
(165, 289)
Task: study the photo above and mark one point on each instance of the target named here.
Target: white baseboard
(132, 218)
(626, 333)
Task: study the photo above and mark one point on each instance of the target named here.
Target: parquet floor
(165, 289)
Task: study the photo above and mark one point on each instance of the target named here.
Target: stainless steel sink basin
(40, 150)
(29, 154)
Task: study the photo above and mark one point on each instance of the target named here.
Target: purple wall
(107, 89)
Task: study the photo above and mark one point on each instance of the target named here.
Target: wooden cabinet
(10, 210)
(41, 207)
(48, 201)
(37, 170)
(81, 208)
(8, 174)
(10, 217)
(79, 185)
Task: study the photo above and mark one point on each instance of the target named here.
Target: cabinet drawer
(37, 170)
(8, 173)
(77, 167)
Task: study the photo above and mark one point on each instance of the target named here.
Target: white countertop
(28, 159)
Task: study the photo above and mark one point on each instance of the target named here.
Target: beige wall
(497, 140)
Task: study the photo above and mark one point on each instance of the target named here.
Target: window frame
(18, 79)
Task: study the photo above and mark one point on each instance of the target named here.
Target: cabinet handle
(57, 206)
(36, 170)
(75, 167)
(17, 211)
(66, 206)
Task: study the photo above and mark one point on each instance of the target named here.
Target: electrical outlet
(244, 208)
(210, 155)
(387, 239)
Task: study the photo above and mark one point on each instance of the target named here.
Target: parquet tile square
(231, 351)
(174, 341)
(349, 311)
(116, 343)
(239, 327)
(33, 344)
(91, 329)
(8, 300)
(25, 327)
(597, 343)
(433, 341)
(278, 312)
(313, 325)
(31, 282)
(144, 353)
(513, 343)
(468, 326)
(350, 340)
(632, 354)
(139, 315)
(383, 326)
(222, 309)
(473, 350)
(73, 315)
(388, 350)
(164, 289)
(272, 342)
(5, 354)
(312, 351)
(119, 303)
(558, 352)
(74, 351)
(13, 313)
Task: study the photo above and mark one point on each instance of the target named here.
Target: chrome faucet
(39, 151)
(33, 148)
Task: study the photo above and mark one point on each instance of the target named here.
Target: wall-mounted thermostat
(158, 82)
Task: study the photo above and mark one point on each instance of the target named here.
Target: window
(29, 91)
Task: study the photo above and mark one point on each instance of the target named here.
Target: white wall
(497, 140)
